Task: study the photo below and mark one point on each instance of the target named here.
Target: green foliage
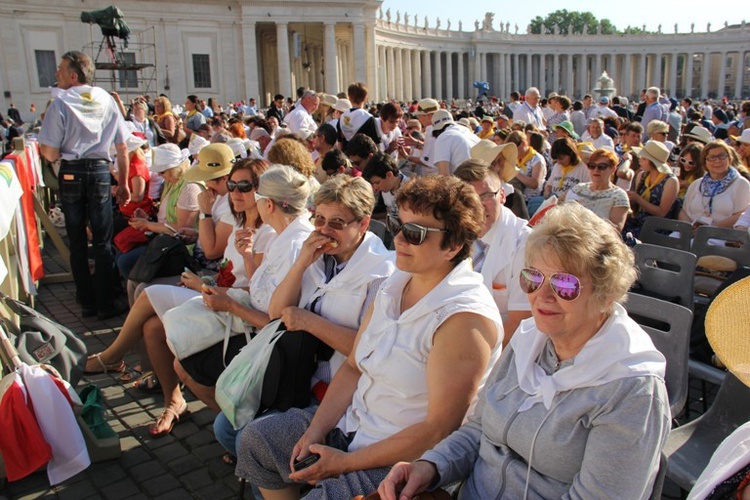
(574, 22)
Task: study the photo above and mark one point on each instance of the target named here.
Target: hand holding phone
(306, 462)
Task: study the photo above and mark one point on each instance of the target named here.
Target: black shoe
(88, 311)
(116, 309)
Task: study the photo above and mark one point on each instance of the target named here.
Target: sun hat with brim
(427, 106)
(657, 153)
(465, 122)
(745, 137)
(168, 156)
(700, 134)
(441, 119)
(214, 161)
(586, 149)
(568, 127)
(328, 100)
(197, 143)
(488, 119)
(728, 330)
(487, 151)
(342, 105)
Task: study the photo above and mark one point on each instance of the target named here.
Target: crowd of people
(464, 343)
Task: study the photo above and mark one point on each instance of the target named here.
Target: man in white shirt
(529, 111)
(602, 110)
(595, 135)
(453, 142)
(300, 121)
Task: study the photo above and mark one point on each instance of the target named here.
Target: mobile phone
(305, 462)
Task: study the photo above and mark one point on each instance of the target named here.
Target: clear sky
(622, 14)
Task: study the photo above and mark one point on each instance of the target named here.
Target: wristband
(205, 216)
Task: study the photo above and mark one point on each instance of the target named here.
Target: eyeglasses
(241, 186)
(720, 157)
(414, 234)
(336, 224)
(598, 166)
(259, 197)
(685, 161)
(489, 195)
(356, 163)
(564, 285)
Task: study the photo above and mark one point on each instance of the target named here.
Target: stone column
(612, 68)
(627, 87)
(360, 54)
(449, 76)
(543, 75)
(391, 74)
(461, 87)
(528, 83)
(416, 66)
(370, 64)
(642, 81)
(583, 75)
(406, 70)
(438, 75)
(427, 73)
(658, 80)
(688, 75)
(399, 93)
(739, 71)
(721, 91)
(330, 59)
(705, 71)
(673, 74)
(570, 87)
(250, 53)
(282, 51)
(597, 70)
(556, 72)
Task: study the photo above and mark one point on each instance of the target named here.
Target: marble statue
(388, 15)
(449, 25)
(556, 29)
(489, 19)
(398, 16)
(406, 18)
(460, 25)
(426, 22)
(476, 25)
(437, 24)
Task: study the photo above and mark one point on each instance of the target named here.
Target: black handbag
(40, 340)
(166, 255)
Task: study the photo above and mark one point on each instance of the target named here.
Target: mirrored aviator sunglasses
(414, 234)
(564, 285)
(241, 186)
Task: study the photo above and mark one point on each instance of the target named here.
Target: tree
(573, 22)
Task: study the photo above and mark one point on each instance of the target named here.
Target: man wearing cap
(300, 121)
(529, 111)
(79, 127)
(453, 142)
(215, 219)
(596, 136)
(498, 253)
(356, 120)
(425, 110)
(487, 130)
(653, 110)
(602, 110)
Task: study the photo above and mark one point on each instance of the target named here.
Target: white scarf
(352, 121)
(620, 349)
(88, 104)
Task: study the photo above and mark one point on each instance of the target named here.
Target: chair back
(668, 325)
(378, 228)
(665, 273)
(711, 240)
(666, 233)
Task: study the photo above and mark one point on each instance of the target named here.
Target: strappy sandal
(148, 383)
(176, 418)
(104, 367)
(130, 374)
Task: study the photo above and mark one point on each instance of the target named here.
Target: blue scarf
(710, 187)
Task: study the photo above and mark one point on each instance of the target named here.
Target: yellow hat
(214, 161)
(728, 329)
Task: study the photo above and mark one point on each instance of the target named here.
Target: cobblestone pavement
(186, 464)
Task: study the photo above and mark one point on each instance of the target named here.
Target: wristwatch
(204, 216)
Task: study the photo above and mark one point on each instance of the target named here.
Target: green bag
(93, 412)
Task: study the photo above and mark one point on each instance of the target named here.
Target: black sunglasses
(414, 234)
(241, 186)
(598, 166)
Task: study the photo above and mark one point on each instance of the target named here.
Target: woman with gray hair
(577, 406)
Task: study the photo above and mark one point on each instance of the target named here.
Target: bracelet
(205, 216)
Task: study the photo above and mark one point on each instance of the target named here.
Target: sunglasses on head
(336, 224)
(598, 166)
(414, 234)
(565, 285)
(241, 186)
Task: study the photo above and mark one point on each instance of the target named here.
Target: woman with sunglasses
(691, 168)
(577, 406)
(721, 195)
(333, 281)
(423, 349)
(600, 195)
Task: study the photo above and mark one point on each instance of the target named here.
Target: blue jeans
(227, 436)
(126, 261)
(85, 191)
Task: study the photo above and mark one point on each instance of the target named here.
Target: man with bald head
(529, 111)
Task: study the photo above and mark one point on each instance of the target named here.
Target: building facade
(236, 49)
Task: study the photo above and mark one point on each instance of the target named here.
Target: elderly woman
(331, 285)
(721, 195)
(656, 187)
(420, 354)
(146, 125)
(577, 407)
(600, 195)
(167, 121)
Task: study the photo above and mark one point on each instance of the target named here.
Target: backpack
(166, 255)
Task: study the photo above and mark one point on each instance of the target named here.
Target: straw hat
(168, 156)
(586, 149)
(342, 105)
(657, 153)
(328, 100)
(487, 151)
(728, 330)
(214, 161)
(700, 134)
(465, 122)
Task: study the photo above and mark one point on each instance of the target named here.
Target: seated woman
(656, 187)
(600, 195)
(577, 407)
(179, 202)
(167, 121)
(330, 286)
(138, 178)
(691, 168)
(567, 171)
(423, 349)
(721, 195)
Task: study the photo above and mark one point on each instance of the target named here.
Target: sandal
(229, 459)
(147, 382)
(130, 374)
(176, 418)
(103, 367)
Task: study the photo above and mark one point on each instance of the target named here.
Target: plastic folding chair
(713, 241)
(660, 231)
(668, 325)
(665, 273)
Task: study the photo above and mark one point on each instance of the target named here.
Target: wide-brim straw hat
(700, 134)
(487, 151)
(657, 153)
(214, 161)
(728, 330)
